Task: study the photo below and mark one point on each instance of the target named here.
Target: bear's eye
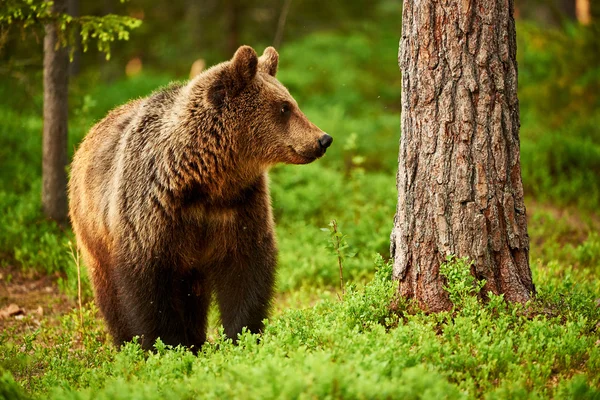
(285, 109)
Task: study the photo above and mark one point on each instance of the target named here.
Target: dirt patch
(560, 225)
(26, 299)
(575, 218)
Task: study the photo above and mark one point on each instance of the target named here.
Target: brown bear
(170, 203)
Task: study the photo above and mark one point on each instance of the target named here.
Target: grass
(319, 343)
(353, 348)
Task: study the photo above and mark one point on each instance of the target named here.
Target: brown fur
(170, 203)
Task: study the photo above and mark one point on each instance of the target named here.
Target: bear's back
(113, 150)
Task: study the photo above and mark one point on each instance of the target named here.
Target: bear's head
(268, 125)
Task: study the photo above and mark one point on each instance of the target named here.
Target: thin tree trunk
(568, 8)
(233, 11)
(193, 15)
(54, 162)
(459, 179)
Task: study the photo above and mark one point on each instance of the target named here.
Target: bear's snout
(325, 141)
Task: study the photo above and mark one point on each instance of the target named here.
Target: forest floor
(27, 298)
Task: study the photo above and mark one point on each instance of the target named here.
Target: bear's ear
(235, 77)
(217, 91)
(268, 62)
(244, 64)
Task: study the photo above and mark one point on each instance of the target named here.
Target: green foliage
(26, 12)
(104, 30)
(339, 247)
(101, 30)
(9, 389)
(588, 253)
(337, 242)
(461, 284)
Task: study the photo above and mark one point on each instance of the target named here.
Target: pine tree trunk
(54, 162)
(459, 179)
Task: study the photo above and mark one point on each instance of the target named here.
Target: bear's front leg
(245, 281)
(160, 302)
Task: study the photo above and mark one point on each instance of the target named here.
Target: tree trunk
(459, 179)
(568, 8)
(232, 13)
(54, 162)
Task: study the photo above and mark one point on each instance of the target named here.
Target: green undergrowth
(353, 347)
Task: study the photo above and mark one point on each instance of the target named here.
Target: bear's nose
(325, 141)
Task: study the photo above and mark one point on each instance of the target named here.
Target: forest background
(339, 60)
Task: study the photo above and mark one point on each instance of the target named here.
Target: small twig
(337, 244)
(77, 259)
(281, 23)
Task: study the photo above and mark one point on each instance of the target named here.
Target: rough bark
(54, 162)
(459, 179)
